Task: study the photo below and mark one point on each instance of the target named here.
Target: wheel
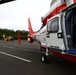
(44, 59)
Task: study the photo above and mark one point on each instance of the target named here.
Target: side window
(53, 25)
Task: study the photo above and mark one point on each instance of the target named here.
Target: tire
(44, 59)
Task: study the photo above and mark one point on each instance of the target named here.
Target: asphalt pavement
(25, 59)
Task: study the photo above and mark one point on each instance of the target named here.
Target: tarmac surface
(25, 59)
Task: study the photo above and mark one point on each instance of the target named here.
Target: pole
(19, 41)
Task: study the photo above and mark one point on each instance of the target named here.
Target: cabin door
(54, 30)
(70, 26)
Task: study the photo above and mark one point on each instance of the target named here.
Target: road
(25, 59)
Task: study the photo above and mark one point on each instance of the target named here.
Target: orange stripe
(74, 0)
(54, 12)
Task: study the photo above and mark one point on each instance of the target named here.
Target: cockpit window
(53, 25)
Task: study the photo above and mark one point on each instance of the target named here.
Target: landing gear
(45, 57)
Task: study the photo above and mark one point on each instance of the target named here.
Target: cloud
(14, 15)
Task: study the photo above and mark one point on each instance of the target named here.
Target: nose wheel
(45, 57)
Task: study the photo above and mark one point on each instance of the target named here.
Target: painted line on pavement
(15, 56)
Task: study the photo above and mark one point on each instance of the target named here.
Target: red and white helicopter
(58, 31)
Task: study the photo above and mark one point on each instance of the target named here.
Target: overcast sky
(14, 15)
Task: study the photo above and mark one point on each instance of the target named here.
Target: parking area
(25, 59)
